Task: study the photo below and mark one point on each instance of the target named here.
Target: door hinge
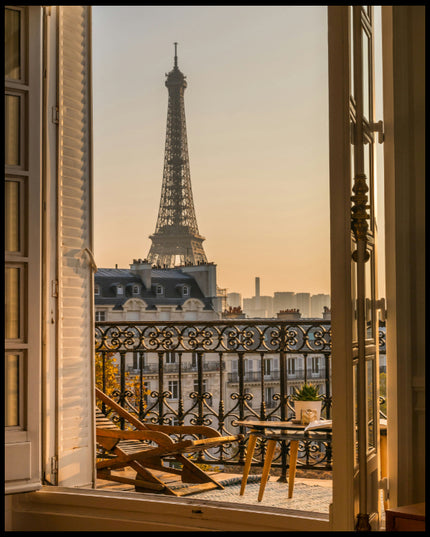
(383, 485)
(55, 115)
(54, 465)
(54, 288)
(379, 128)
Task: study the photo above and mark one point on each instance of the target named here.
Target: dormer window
(119, 289)
(135, 289)
(159, 290)
(96, 289)
(185, 290)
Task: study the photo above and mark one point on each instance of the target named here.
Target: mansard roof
(172, 281)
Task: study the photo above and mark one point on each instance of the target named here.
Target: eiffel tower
(176, 239)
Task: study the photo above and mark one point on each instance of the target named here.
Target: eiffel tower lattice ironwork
(176, 239)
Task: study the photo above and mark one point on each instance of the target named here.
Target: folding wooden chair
(145, 448)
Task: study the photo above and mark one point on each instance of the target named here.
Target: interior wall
(404, 163)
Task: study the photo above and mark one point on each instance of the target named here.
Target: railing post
(283, 394)
(221, 408)
(160, 387)
(180, 394)
(263, 402)
(122, 384)
(142, 396)
(200, 388)
(240, 372)
(104, 379)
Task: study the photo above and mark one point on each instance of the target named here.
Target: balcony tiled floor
(311, 495)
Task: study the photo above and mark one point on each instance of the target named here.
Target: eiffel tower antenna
(176, 238)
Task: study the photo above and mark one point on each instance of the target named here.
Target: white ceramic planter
(301, 408)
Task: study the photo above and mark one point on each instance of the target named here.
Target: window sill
(62, 508)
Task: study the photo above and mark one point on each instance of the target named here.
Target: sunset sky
(257, 122)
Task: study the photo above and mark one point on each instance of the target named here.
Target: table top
(283, 425)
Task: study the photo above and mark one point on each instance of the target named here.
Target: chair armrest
(154, 436)
(202, 430)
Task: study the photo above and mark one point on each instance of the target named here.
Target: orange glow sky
(257, 121)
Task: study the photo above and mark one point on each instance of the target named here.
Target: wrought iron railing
(231, 399)
(223, 407)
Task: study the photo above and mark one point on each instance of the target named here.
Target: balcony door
(353, 267)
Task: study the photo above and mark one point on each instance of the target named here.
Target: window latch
(379, 128)
(55, 115)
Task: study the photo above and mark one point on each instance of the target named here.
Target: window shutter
(75, 291)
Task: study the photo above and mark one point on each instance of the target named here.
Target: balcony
(218, 394)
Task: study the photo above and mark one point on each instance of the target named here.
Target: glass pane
(12, 130)
(12, 390)
(370, 404)
(368, 291)
(12, 216)
(366, 81)
(368, 170)
(12, 299)
(12, 44)
(354, 300)
(355, 401)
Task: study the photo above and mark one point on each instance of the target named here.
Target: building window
(174, 388)
(100, 316)
(138, 360)
(291, 366)
(119, 290)
(268, 396)
(315, 365)
(170, 357)
(135, 290)
(185, 290)
(96, 290)
(267, 367)
(159, 290)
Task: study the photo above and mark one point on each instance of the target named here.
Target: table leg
(294, 448)
(266, 468)
(249, 453)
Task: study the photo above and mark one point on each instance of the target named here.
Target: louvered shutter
(75, 278)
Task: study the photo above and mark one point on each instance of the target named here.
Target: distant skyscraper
(303, 301)
(234, 300)
(284, 300)
(176, 239)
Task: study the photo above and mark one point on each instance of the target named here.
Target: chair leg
(294, 448)
(249, 453)
(266, 468)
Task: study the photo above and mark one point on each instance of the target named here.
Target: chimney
(292, 314)
(257, 286)
(143, 270)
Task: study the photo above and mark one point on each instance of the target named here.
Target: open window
(48, 188)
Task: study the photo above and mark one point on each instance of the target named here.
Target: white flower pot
(307, 411)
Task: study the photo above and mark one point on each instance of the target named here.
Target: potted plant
(307, 403)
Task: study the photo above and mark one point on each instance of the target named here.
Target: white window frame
(22, 442)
